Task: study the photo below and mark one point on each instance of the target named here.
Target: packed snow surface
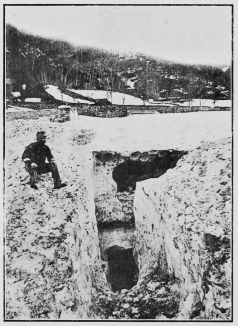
(160, 131)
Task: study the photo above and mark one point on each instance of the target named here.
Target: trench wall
(52, 254)
(108, 208)
(183, 223)
(115, 176)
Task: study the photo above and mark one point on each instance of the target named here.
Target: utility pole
(190, 103)
(81, 66)
(77, 66)
(111, 81)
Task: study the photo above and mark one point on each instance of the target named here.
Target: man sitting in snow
(34, 157)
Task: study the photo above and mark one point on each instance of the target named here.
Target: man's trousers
(46, 168)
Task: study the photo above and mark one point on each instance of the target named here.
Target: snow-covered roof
(16, 94)
(33, 100)
(64, 107)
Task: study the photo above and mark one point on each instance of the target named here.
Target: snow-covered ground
(206, 102)
(47, 260)
(223, 103)
(114, 97)
(58, 95)
(12, 108)
(157, 131)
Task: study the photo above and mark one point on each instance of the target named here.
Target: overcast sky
(197, 35)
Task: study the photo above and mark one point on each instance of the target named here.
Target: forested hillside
(36, 61)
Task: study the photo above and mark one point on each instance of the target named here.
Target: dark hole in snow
(122, 268)
(126, 174)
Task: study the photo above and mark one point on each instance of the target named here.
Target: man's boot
(62, 185)
(56, 177)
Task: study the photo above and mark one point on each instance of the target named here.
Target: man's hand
(33, 165)
(52, 160)
(27, 162)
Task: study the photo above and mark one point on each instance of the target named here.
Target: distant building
(9, 87)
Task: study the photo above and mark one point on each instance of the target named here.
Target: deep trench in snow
(117, 240)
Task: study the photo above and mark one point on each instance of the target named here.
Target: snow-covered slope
(113, 97)
(58, 95)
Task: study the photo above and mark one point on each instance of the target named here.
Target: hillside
(36, 61)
